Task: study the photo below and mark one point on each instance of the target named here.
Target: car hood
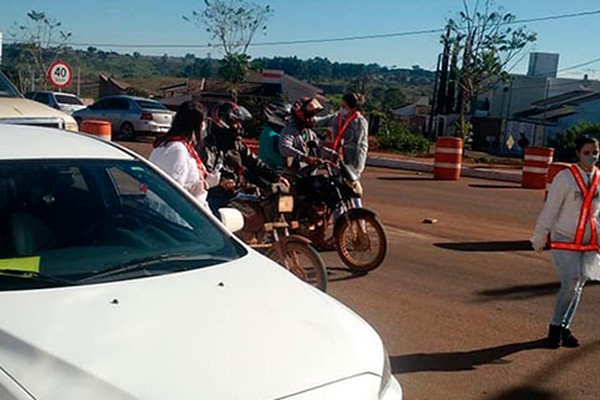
(243, 330)
(25, 108)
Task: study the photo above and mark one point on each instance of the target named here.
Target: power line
(325, 40)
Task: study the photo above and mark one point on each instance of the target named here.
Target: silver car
(65, 102)
(129, 115)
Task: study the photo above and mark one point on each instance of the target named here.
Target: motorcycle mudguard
(356, 213)
(295, 239)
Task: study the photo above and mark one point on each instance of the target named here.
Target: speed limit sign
(60, 74)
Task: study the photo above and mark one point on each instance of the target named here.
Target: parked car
(129, 115)
(15, 109)
(66, 102)
(115, 284)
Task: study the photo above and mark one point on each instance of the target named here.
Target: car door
(119, 113)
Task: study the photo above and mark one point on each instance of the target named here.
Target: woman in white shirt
(175, 154)
(570, 216)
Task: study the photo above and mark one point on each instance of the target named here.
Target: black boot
(554, 337)
(568, 340)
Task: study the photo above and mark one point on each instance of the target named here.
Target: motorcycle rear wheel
(361, 242)
(302, 260)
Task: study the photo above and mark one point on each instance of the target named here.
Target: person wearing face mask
(175, 155)
(223, 150)
(571, 217)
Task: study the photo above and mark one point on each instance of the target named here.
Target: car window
(42, 98)
(72, 221)
(119, 104)
(150, 105)
(7, 89)
(65, 99)
(101, 104)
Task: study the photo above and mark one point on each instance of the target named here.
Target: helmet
(305, 109)
(226, 114)
(276, 115)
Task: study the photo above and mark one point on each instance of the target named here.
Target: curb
(468, 172)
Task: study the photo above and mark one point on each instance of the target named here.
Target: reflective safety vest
(342, 126)
(585, 217)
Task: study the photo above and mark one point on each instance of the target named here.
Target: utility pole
(434, 100)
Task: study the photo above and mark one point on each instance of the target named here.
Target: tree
(488, 44)
(42, 41)
(233, 24)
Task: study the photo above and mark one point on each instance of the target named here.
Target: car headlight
(386, 376)
(286, 204)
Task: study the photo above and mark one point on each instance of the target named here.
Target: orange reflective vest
(342, 126)
(585, 217)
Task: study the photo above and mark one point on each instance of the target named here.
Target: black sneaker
(568, 340)
(554, 337)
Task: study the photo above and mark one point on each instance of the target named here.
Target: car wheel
(126, 132)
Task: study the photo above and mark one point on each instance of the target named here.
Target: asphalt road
(461, 304)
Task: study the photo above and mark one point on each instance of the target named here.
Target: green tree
(489, 44)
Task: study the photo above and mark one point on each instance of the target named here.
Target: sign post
(60, 74)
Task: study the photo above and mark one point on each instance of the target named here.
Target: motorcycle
(326, 201)
(268, 230)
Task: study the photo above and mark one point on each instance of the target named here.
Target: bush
(565, 143)
(396, 137)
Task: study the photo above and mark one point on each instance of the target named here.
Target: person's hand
(310, 160)
(538, 241)
(197, 188)
(228, 184)
(213, 179)
(284, 182)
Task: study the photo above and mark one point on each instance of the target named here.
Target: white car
(66, 102)
(115, 285)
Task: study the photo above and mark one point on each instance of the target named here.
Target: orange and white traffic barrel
(448, 158)
(535, 170)
(101, 129)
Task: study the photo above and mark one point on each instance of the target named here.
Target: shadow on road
(515, 245)
(522, 292)
(459, 361)
(338, 274)
(526, 393)
(479, 186)
(405, 178)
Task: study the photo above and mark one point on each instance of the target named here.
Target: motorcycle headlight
(386, 376)
(286, 204)
(71, 126)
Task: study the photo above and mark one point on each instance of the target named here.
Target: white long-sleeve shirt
(174, 159)
(563, 207)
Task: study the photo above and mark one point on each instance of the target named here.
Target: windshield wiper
(141, 264)
(17, 273)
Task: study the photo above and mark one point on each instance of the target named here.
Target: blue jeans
(569, 266)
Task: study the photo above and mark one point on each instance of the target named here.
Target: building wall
(586, 112)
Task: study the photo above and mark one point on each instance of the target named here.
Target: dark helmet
(277, 115)
(305, 109)
(226, 114)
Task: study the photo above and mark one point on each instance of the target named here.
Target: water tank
(544, 65)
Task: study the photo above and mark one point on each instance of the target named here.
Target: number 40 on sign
(60, 74)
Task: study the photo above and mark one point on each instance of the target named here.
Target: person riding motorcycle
(222, 150)
(276, 116)
(298, 142)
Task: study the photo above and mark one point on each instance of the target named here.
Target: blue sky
(159, 22)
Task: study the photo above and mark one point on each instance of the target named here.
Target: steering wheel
(129, 222)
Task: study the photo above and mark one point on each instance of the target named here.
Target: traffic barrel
(101, 129)
(448, 158)
(535, 170)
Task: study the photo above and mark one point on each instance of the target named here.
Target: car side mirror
(232, 219)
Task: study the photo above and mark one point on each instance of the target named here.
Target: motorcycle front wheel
(360, 241)
(302, 260)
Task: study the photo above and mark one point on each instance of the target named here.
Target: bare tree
(232, 24)
(489, 43)
(42, 41)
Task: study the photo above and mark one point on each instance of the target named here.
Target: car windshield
(70, 100)
(89, 221)
(150, 105)
(7, 89)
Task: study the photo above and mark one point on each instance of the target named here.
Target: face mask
(343, 111)
(590, 160)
